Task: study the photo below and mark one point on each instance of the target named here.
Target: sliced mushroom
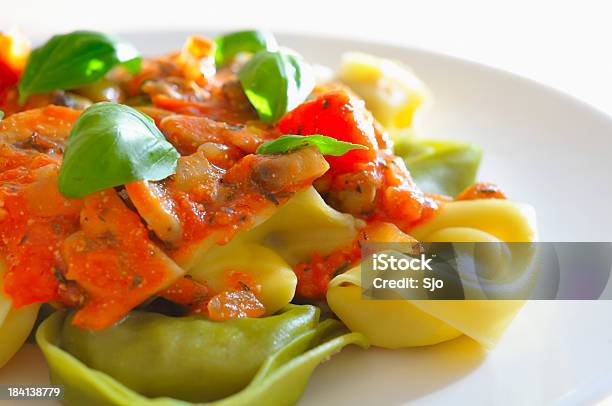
(156, 207)
(277, 173)
(187, 133)
(354, 193)
(71, 100)
(197, 176)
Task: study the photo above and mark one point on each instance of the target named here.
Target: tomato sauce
(482, 190)
(114, 260)
(34, 221)
(109, 252)
(395, 197)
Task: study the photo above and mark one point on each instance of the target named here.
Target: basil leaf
(288, 143)
(442, 167)
(275, 83)
(70, 60)
(230, 45)
(111, 145)
(1, 114)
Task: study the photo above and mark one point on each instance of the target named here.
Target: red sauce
(339, 115)
(30, 242)
(189, 293)
(239, 299)
(314, 275)
(482, 190)
(98, 254)
(241, 202)
(215, 109)
(235, 304)
(114, 260)
(34, 217)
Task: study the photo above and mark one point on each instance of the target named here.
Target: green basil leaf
(111, 145)
(70, 60)
(442, 167)
(275, 83)
(288, 143)
(1, 114)
(252, 41)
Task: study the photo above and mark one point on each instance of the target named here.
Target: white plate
(542, 147)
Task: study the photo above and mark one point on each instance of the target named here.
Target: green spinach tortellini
(442, 167)
(243, 361)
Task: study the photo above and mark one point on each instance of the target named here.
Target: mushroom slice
(156, 207)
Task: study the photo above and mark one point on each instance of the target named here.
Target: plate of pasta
(182, 219)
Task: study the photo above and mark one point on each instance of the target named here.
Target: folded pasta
(268, 252)
(438, 166)
(391, 91)
(407, 323)
(241, 362)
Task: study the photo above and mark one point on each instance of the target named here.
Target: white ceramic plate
(542, 147)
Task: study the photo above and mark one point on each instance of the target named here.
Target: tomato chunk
(482, 190)
(338, 115)
(229, 305)
(52, 122)
(8, 77)
(114, 260)
(188, 292)
(14, 51)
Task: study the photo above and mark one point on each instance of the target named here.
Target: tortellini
(391, 91)
(273, 276)
(441, 167)
(15, 324)
(245, 361)
(407, 323)
(500, 219)
(305, 224)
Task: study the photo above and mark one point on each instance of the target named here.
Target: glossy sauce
(113, 250)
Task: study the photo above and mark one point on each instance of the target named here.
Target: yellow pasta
(386, 323)
(391, 91)
(15, 324)
(501, 219)
(302, 226)
(407, 323)
(273, 276)
(305, 224)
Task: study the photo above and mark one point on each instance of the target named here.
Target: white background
(565, 44)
